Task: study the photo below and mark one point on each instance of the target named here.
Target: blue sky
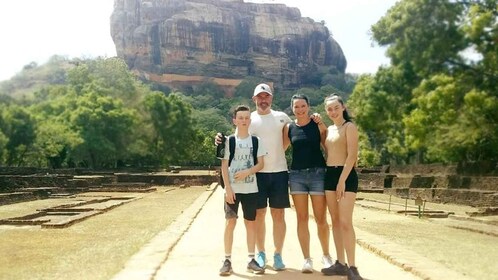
(34, 30)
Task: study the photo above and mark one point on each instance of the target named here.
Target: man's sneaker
(254, 267)
(261, 259)
(278, 264)
(327, 261)
(307, 266)
(336, 269)
(353, 274)
(226, 269)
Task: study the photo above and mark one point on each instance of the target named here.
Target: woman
(341, 185)
(306, 177)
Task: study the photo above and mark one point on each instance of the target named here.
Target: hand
(340, 191)
(316, 118)
(229, 195)
(240, 175)
(218, 139)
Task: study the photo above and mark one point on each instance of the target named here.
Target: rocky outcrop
(165, 40)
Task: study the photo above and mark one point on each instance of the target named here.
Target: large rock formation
(181, 41)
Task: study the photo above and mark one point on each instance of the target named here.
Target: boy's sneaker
(327, 261)
(337, 269)
(278, 264)
(353, 273)
(226, 269)
(261, 259)
(254, 267)
(307, 266)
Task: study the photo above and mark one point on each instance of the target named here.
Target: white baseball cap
(262, 88)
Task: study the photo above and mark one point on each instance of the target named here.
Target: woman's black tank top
(306, 152)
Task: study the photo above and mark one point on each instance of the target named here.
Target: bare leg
(228, 236)
(319, 205)
(279, 228)
(346, 207)
(336, 229)
(251, 235)
(303, 233)
(260, 229)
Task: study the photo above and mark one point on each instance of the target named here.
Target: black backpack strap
(231, 148)
(255, 149)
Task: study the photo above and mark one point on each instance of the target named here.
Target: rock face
(170, 41)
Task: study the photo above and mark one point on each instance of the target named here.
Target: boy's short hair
(240, 108)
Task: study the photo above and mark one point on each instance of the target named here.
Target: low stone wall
(166, 180)
(368, 181)
(475, 198)
(9, 183)
(9, 198)
(448, 182)
(418, 169)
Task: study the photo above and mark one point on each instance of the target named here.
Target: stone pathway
(197, 237)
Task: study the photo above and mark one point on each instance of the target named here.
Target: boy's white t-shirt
(243, 159)
(269, 129)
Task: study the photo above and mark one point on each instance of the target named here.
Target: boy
(238, 172)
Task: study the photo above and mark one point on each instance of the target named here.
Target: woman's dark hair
(299, 96)
(345, 113)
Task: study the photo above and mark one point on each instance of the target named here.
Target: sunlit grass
(96, 248)
(472, 254)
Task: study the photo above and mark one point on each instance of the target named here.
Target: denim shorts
(307, 181)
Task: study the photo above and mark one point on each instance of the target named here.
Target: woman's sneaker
(307, 266)
(226, 269)
(327, 261)
(337, 269)
(353, 273)
(254, 267)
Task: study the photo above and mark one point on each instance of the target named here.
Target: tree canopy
(438, 99)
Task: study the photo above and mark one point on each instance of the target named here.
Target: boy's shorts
(273, 190)
(332, 178)
(249, 202)
(307, 181)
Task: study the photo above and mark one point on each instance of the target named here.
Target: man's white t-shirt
(243, 159)
(269, 129)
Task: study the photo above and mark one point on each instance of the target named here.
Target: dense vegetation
(95, 113)
(437, 102)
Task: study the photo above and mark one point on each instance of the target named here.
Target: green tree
(174, 133)
(19, 128)
(419, 107)
(105, 127)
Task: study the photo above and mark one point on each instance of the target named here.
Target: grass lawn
(470, 253)
(96, 248)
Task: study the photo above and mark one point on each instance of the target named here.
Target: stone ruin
(473, 184)
(25, 184)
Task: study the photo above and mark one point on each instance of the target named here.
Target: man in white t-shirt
(273, 179)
